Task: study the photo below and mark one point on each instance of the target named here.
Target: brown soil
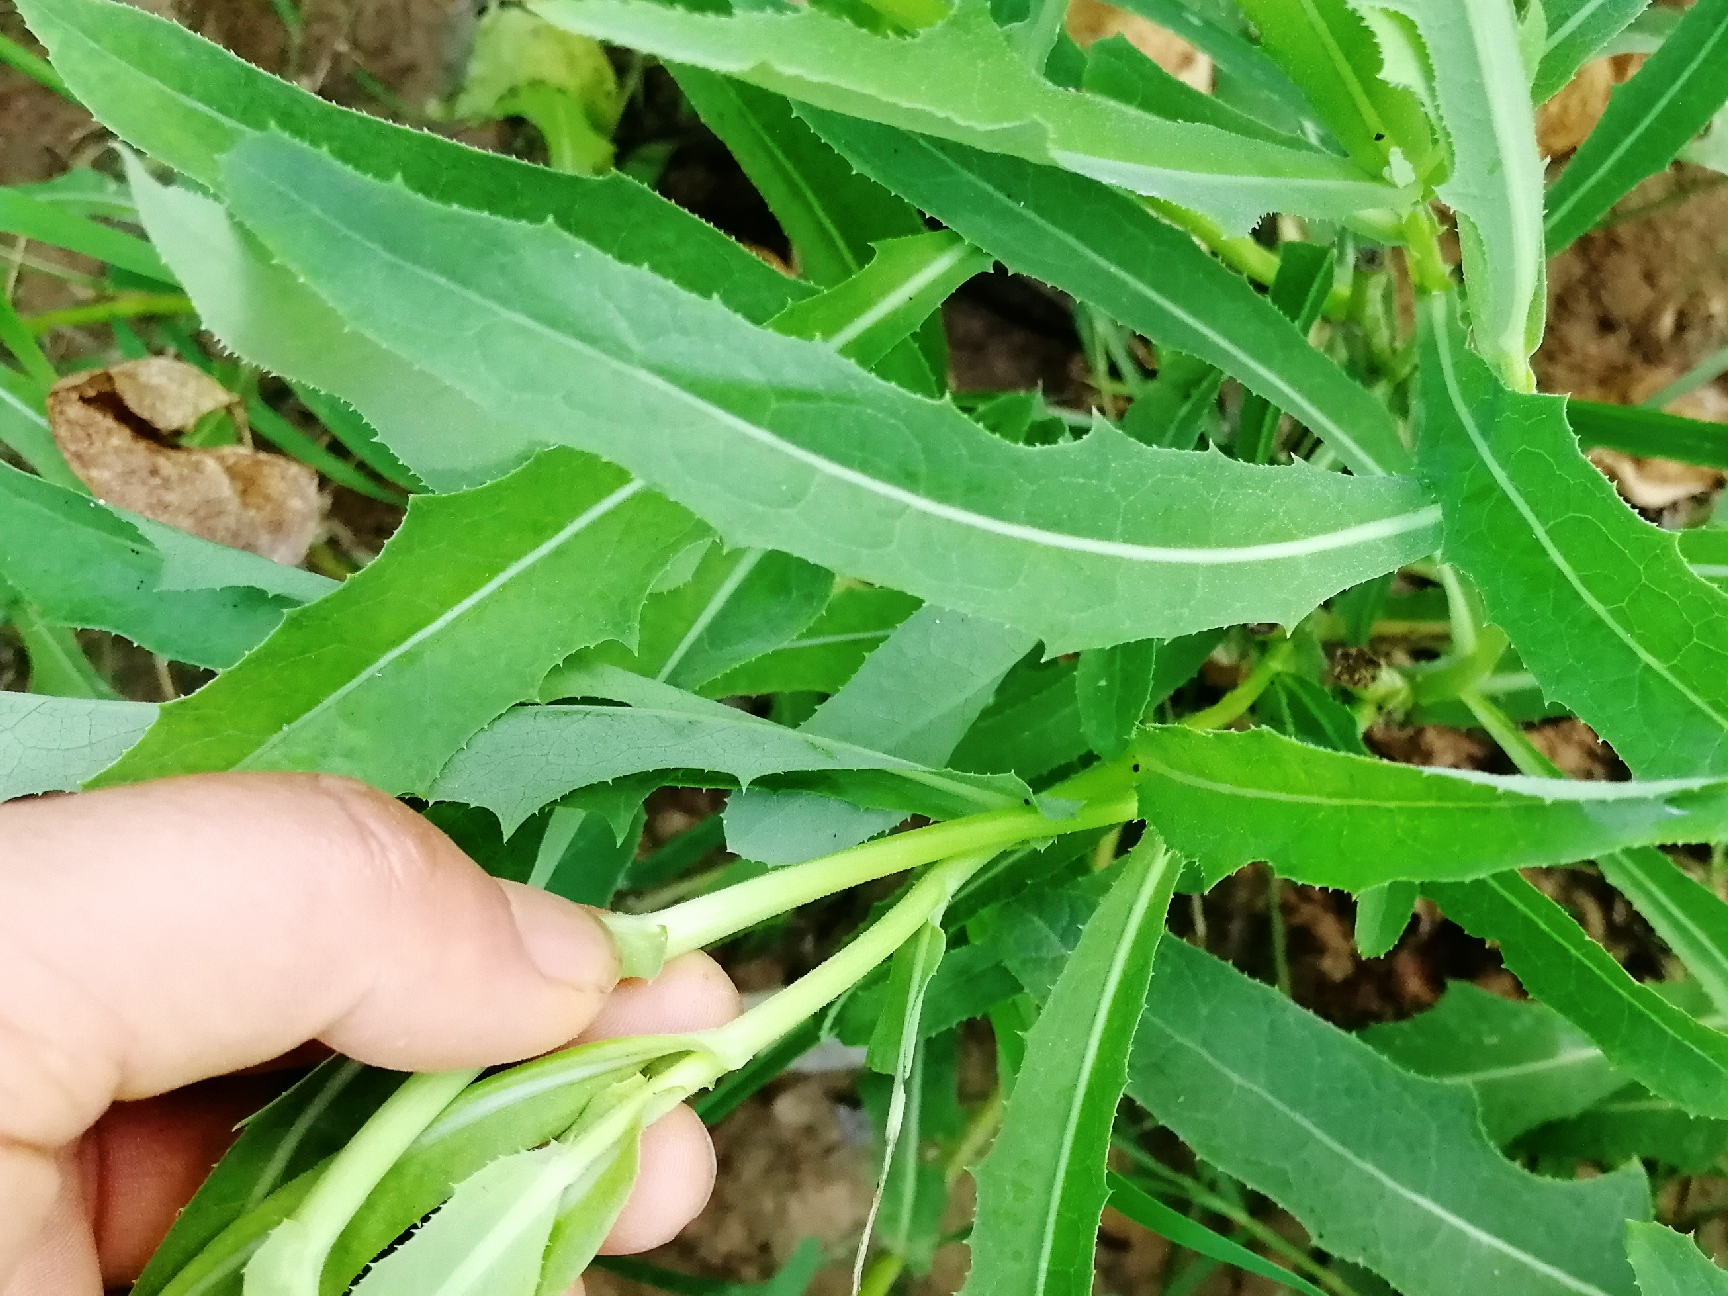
(1630, 308)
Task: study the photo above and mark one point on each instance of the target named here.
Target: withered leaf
(115, 427)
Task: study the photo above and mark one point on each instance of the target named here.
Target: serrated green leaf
(1670, 1263)
(1523, 1062)
(1381, 1167)
(1637, 1030)
(534, 755)
(1329, 51)
(1108, 250)
(1150, 1213)
(1334, 819)
(50, 744)
(1599, 603)
(739, 605)
(1470, 50)
(83, 566)
(1113, 686)
(1649, 120)
(961, 79)
(1041, 1189)
(1117, 69)
(310, 1122)
(866, 316)
(1577, 31)
(1633, 1122)
(828, 652)
(1382, 914)
(186, 102)
(928, 501)
(472, 600)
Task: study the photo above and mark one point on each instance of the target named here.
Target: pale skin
(156, 940)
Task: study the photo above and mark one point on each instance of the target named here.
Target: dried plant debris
(117, 428)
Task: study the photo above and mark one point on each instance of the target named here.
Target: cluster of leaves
(648, 472)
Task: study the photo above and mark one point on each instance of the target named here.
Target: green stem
(883, 1273)
(698, 923)
(740, 1040)
(980, 1130)
(124, 307)
(1237, 701)
(1280, 939)
(1428, 269)
(1522, 752)
(1241, 254)
(17, 337)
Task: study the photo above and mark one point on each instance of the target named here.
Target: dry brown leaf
(1092, 20)
(113, 425)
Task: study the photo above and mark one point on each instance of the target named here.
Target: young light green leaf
(1523, 1062)
(1577, 31)
(866, 316)
(53, 744)
(1692, 920)
(1041, 1189)
(1113, 686)
(1471, 66)
(961, 79)
(289, 1137)
(1599, 604)
(389, 675)
(1633, 1122)
(1382, 914)
(186, 102)
(1649, 120)
(1150, 1213)
(1670, 1264)
(532, 756)
(828, 653)
(739, 605)
(1637, 1030)
(81, 565)
(1334, 819)
(1108, 250)
(1381, 1167)
(1140, 542)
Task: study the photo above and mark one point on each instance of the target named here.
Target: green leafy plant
(646, 472)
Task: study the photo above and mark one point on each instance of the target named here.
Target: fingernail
(564, 940)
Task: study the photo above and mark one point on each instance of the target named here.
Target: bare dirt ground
(1630, 308)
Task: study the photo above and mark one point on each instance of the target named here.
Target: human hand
(155, 936)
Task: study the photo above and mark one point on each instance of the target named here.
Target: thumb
(154, 935)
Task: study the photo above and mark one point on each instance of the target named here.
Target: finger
(692, 993)
(60, 1259)
(144, 1160)
(672, 1187)
(151, 936)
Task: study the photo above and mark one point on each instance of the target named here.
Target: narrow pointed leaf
(1637, 1030)
(1634, 1122)
(1102, 246)
(386, 677)
(1299, 291)
(1577, 31)
(1172, 1225)
(928, 501)
(1523, 1062)
(828, 652)
(1334, 819)
(1470, 49)
(1649, 120)
(532, 756)
(81, 565)
(1598, 603)
(1117, 69)
(1382, 1168)
(1648, 433)
(51, 744)
(961, 79)
(1691, 919)
(1382, 914)
(1041, 1189)
(186, 102)
(44, 222)
(1670, 1263)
